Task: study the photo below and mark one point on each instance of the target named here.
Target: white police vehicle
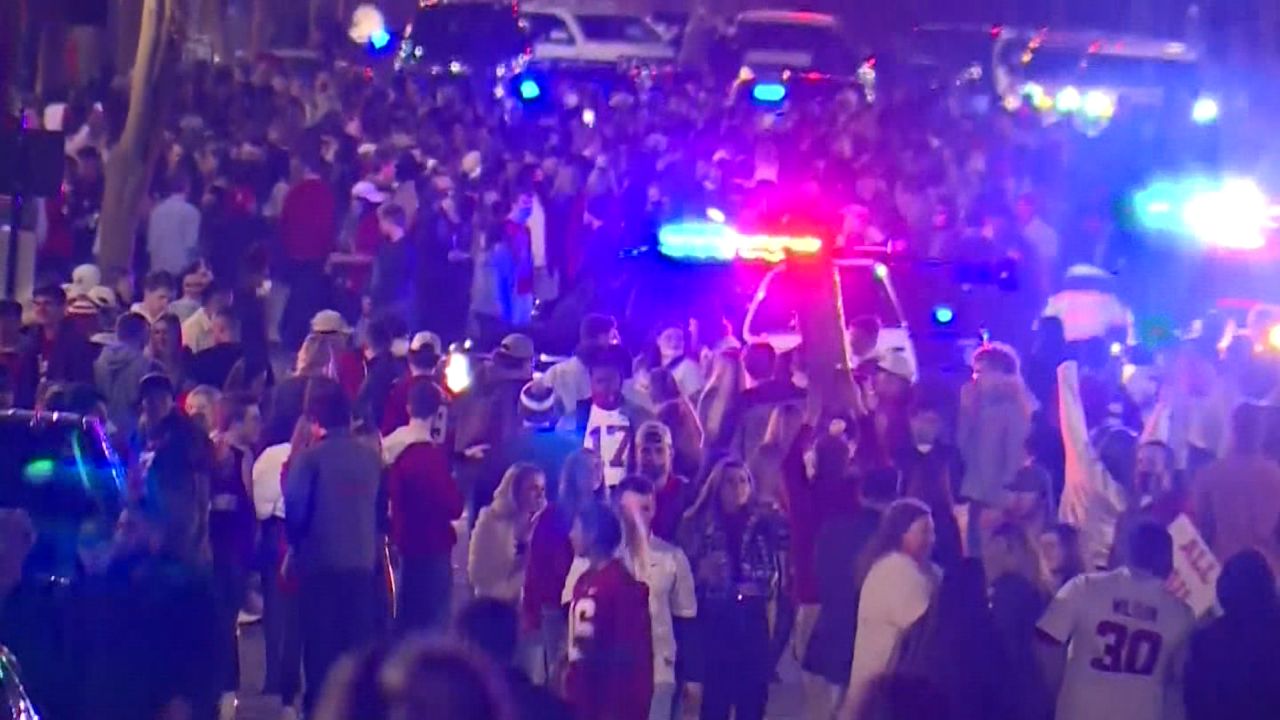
(571, 38)
(866, 289)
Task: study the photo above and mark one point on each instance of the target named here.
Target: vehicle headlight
(1099, 105)
(1204, 111)
(1067, 100)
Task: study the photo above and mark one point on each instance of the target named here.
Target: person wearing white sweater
(897, 588)
(500, 542)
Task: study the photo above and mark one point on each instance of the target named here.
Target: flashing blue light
(698, 241)
(943, 315)
(1230, 213)
(529, 89)
(1204, 111)
(378, 39)
(769, 92)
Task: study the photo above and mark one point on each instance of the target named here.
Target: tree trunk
(822, 328)
(51, 57)
(128, 168)
(263, 20)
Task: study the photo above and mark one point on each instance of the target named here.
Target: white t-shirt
(895, 594)
(268, 495)
(671, 595)
(1125, 635)
(571, 383)
(609, 433)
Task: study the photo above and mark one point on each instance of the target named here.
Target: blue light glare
(698, 241)
(1230, 213)
(379, 38)
(769, 92)
(943, 315)
(1204, 111)
(529, 89)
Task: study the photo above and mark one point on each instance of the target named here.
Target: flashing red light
(774, 248)
(997, 30)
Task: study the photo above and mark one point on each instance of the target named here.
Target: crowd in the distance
(655, 521)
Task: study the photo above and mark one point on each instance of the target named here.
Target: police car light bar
(714, 242)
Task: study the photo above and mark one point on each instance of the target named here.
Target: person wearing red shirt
(55, 351)
(610, 672)
(551, 555)
(308, 226)
(673, 493)
(348, 362)
(424, 356)
(425, 501)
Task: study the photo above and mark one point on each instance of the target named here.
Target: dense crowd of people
(653, 522)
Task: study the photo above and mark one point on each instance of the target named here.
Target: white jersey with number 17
(609, 433)
(1124, 634)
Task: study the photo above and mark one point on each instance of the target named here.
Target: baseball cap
(425, 339)
(538, 403)
(653, 432)
(517, 346)
(896, 363)
(367, 191)
(329, 321)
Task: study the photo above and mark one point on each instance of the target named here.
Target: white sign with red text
(1195, 569)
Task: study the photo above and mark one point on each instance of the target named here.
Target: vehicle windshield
(617, 28)
(829, 52)
(950, 47)
(69, 482)
(475, 32)
(1123, 70)
(861, 292)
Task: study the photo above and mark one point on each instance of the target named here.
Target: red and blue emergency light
(716, 242)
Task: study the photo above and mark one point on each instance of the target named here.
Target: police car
(570, 38)
(782, 52)
(866, 289)
(1089, 78)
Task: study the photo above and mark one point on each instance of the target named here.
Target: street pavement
(785, 698)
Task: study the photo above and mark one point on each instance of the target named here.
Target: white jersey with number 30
(1125, 635)
(609, 433)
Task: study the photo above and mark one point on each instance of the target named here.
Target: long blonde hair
(317, 356)
(505, 498)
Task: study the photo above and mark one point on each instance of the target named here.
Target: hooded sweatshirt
(117, 373)
(995, 420)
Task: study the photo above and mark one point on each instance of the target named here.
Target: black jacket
(839, 543)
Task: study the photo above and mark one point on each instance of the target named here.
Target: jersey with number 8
(1124, 634)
